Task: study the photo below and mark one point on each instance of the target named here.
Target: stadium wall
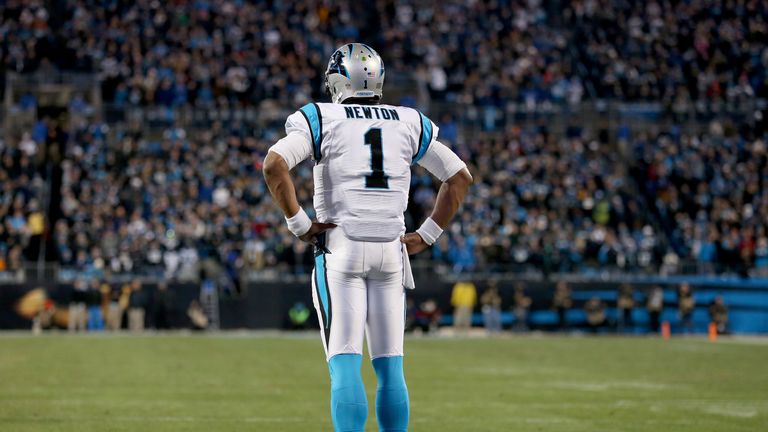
(265, 305)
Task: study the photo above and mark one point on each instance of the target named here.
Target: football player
(363, 152)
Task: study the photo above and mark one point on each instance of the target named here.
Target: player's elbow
(466, 176)
(461, 180)
(274, 166)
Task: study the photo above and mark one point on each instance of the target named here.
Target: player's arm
(452, 171)
(281, 158)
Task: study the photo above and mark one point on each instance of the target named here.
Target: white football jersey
(363, 156)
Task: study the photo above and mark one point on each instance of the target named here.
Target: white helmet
(354, 71)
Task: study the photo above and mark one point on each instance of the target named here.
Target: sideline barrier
(266, 305)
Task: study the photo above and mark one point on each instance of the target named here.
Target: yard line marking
(730, 411)
(603, 385)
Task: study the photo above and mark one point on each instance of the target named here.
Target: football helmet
(354, 71)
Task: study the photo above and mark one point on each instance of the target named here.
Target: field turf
(279, 382)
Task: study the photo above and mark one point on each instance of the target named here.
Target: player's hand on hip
(413, 243)
(314, 230)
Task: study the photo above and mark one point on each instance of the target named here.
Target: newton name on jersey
(368, 112)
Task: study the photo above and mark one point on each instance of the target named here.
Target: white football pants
(357, 290)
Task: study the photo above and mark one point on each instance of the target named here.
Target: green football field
(252, 382)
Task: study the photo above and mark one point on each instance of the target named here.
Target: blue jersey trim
(315, 121)
(425, 137)
(322, 287)
(320, 275)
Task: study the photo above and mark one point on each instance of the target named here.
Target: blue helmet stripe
(337, 62)
(314, 119)
(368, 48)
(346, 72)
(425, 138)
(373, 53)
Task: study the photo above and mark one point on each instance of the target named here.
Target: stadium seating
(678, 199)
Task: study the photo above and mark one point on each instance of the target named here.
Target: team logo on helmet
(337, 64)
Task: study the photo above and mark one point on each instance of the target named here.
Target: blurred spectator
(44, 318)
(137, 308)
(490, 303)
(463, 300)
(115, 311)
(197, 316)
(718, 314)
(299, 315)
(655, 305)
(520, 308)
(686, 304)
(428, 316)
(625, 304)
(562, 302)
(163, 306)
(93, 301)
(78, 313)
(595, 310)
(105, 297)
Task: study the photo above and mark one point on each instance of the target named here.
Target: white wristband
(299, 223)
(429, 231)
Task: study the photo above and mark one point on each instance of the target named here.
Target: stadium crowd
(231, 53)
(131, 201)
(560, 202)
(22, 210)
(710, 193)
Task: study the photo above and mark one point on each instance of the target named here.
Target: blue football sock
(392, 405)
(349, 406)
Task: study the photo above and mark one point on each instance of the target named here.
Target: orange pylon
(666, 331)
(712, 332)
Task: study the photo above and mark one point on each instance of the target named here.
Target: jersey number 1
(377, 178)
